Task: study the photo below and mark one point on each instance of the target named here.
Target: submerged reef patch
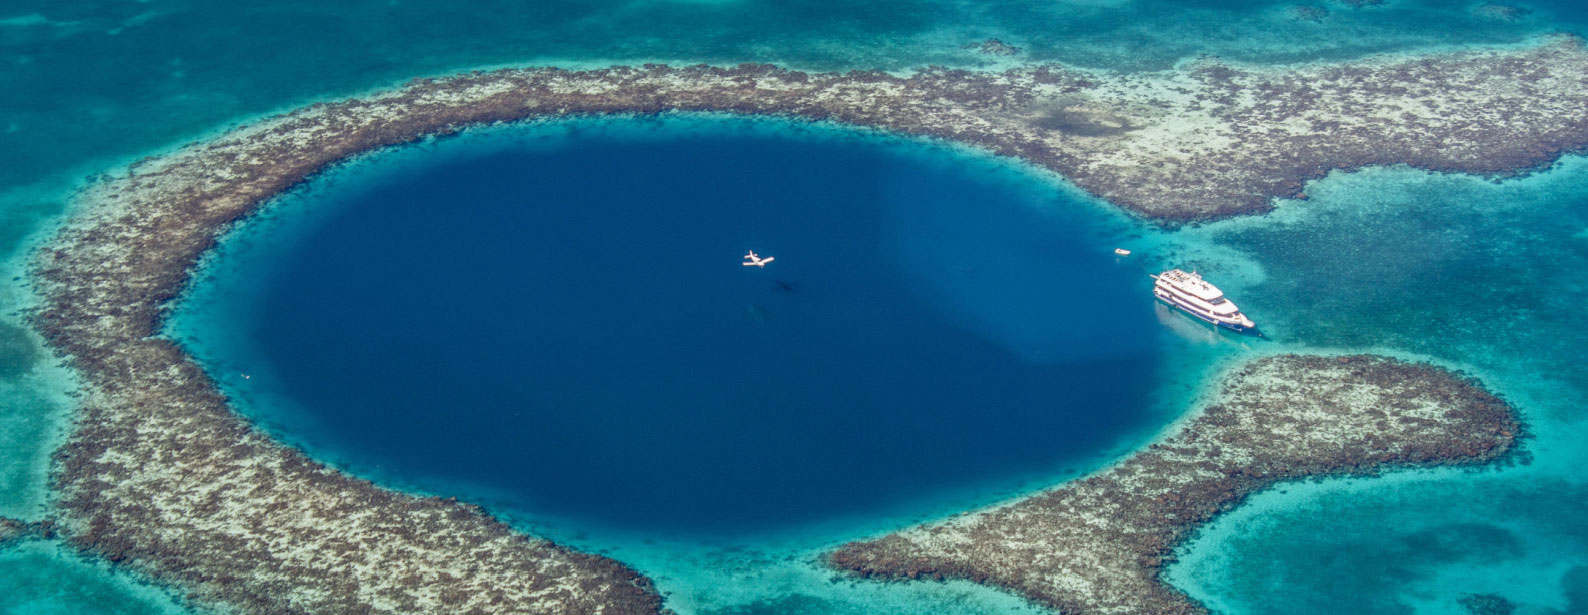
(10, 529)
(1098, 545)
(1487, 604)
(1506, 12)
(13, 530)
(994, 47)
(160, 475)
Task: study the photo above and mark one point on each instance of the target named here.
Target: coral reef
(1210, 140)
(1487, 604)
(1098, 544)
(160, 475)
(11, 529)
(994, 47)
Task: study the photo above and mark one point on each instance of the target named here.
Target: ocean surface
(1474, 274)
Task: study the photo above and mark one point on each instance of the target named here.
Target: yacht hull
(1172, 302)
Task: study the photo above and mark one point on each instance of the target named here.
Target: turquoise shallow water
(1481, 276)
(1476, 274)
(46, 579)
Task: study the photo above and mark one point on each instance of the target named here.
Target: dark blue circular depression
(570, 328)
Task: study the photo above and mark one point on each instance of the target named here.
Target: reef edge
(1100, 543)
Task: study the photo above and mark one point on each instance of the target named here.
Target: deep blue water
(572, 329)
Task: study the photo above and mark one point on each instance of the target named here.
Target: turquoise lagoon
(48, 579)
(1482, 276)
(1470, 273)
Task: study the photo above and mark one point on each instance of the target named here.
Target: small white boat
(753, 260)
(1122, 251)
(1189, 293)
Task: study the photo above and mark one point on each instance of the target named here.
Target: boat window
(1217, 301)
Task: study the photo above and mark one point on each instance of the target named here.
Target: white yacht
(1191, 294)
